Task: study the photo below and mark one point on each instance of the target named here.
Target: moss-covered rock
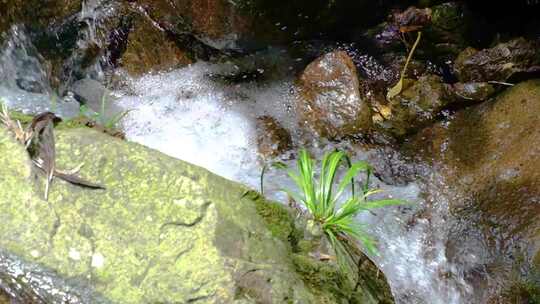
(500, 62)
(163, 231)
(489, 156)
(416, 106)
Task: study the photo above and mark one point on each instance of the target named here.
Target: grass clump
(324, 198)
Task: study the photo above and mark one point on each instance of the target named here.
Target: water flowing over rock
(272, 139)
(489, 155)
(329, 97)
(163, 231)
(252, 24)
(149, 49)
(500, 62)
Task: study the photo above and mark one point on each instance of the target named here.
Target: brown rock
(36, 13)
(498, 63)
(329, 98)
(272, 139)
(473, 91)
(489, 155)
(148, 49)
(253, 24)
(218, 23)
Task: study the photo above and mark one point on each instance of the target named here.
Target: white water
(198, 118)
(186, 114)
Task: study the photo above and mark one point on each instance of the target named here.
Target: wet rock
(500, 62)
(394, 66)
(329, 99)
(36, 13)
(272, 139)
(416, 106)
(149, 49)
(473, 91)
(450, 29)
(412, 19)
(159, 222)
(254, 24)
(445, 26)
(96, 97)
(489, 156)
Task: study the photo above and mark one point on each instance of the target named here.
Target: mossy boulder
(163, 231)
(499, 63)
(421, 102)
(489, 156)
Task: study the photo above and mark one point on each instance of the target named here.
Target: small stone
(272, 139)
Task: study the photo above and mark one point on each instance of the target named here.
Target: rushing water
(198, 116)
(187, 114)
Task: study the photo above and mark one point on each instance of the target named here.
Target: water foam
(188, 115)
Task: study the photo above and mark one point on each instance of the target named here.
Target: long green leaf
(335, 159)
(349, 175)
(381, 203)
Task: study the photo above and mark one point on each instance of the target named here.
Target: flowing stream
(195, 115)
(189, 115)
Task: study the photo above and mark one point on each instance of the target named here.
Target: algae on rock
(163, 231)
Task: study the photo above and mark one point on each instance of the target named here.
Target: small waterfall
(187, 114)
(195, 115)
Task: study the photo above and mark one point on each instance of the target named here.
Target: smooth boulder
(329, 100)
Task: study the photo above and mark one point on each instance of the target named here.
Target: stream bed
(185, 113)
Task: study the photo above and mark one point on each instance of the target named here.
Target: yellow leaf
(395, 90)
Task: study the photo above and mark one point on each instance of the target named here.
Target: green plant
(100, 117)
(325, 200)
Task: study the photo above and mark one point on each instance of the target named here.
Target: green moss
(276, 216)
(84, 122)
(526, 291)
(329, 284)
(23, 118)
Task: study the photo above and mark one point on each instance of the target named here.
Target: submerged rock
(272, 139)
(163, 231)
(329, 97)
(473, 91)
(500, 62)
(489, 156)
